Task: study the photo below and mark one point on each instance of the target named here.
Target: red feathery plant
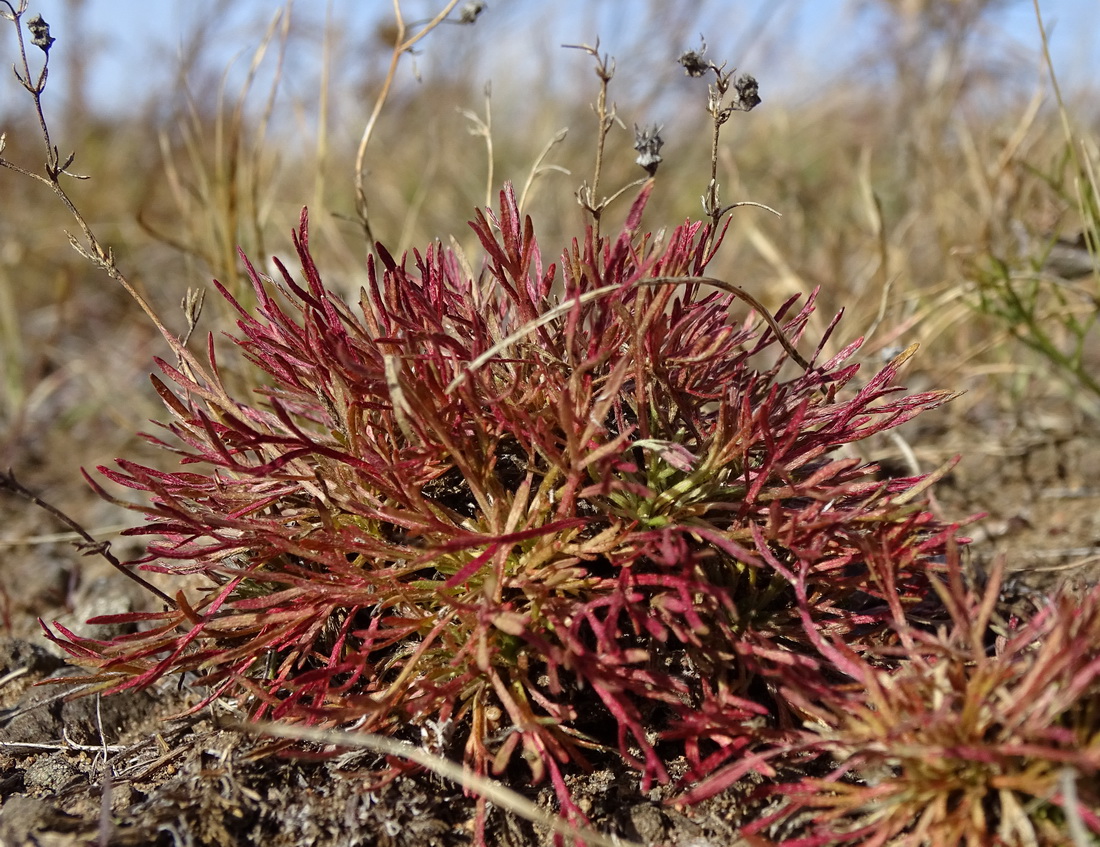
(557, 522)
(971, 732)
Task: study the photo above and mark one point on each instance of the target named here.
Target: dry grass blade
(538, 168)
(402, 45)
(589, 296)
(219, 167)
(1076, 828)
(491, 790)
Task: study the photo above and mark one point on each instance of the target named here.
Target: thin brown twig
(92, 249)
(744, 98)
(587, 194)
(90, 545)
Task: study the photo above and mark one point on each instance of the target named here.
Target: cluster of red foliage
(977, 730)
(562, 519)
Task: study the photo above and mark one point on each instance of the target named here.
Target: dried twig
(89, 546)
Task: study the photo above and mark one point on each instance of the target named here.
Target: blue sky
(791, 46)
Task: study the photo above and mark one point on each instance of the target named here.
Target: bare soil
(129, 770)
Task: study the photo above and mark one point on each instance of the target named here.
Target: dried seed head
(470, 11)
(648, 143)
(40, 33)
(746, 93)
(693, 62)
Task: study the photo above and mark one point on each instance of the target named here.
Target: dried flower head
(40, 33)
(693, 61)
(746, 94)
(471, 11)
(648, 143)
